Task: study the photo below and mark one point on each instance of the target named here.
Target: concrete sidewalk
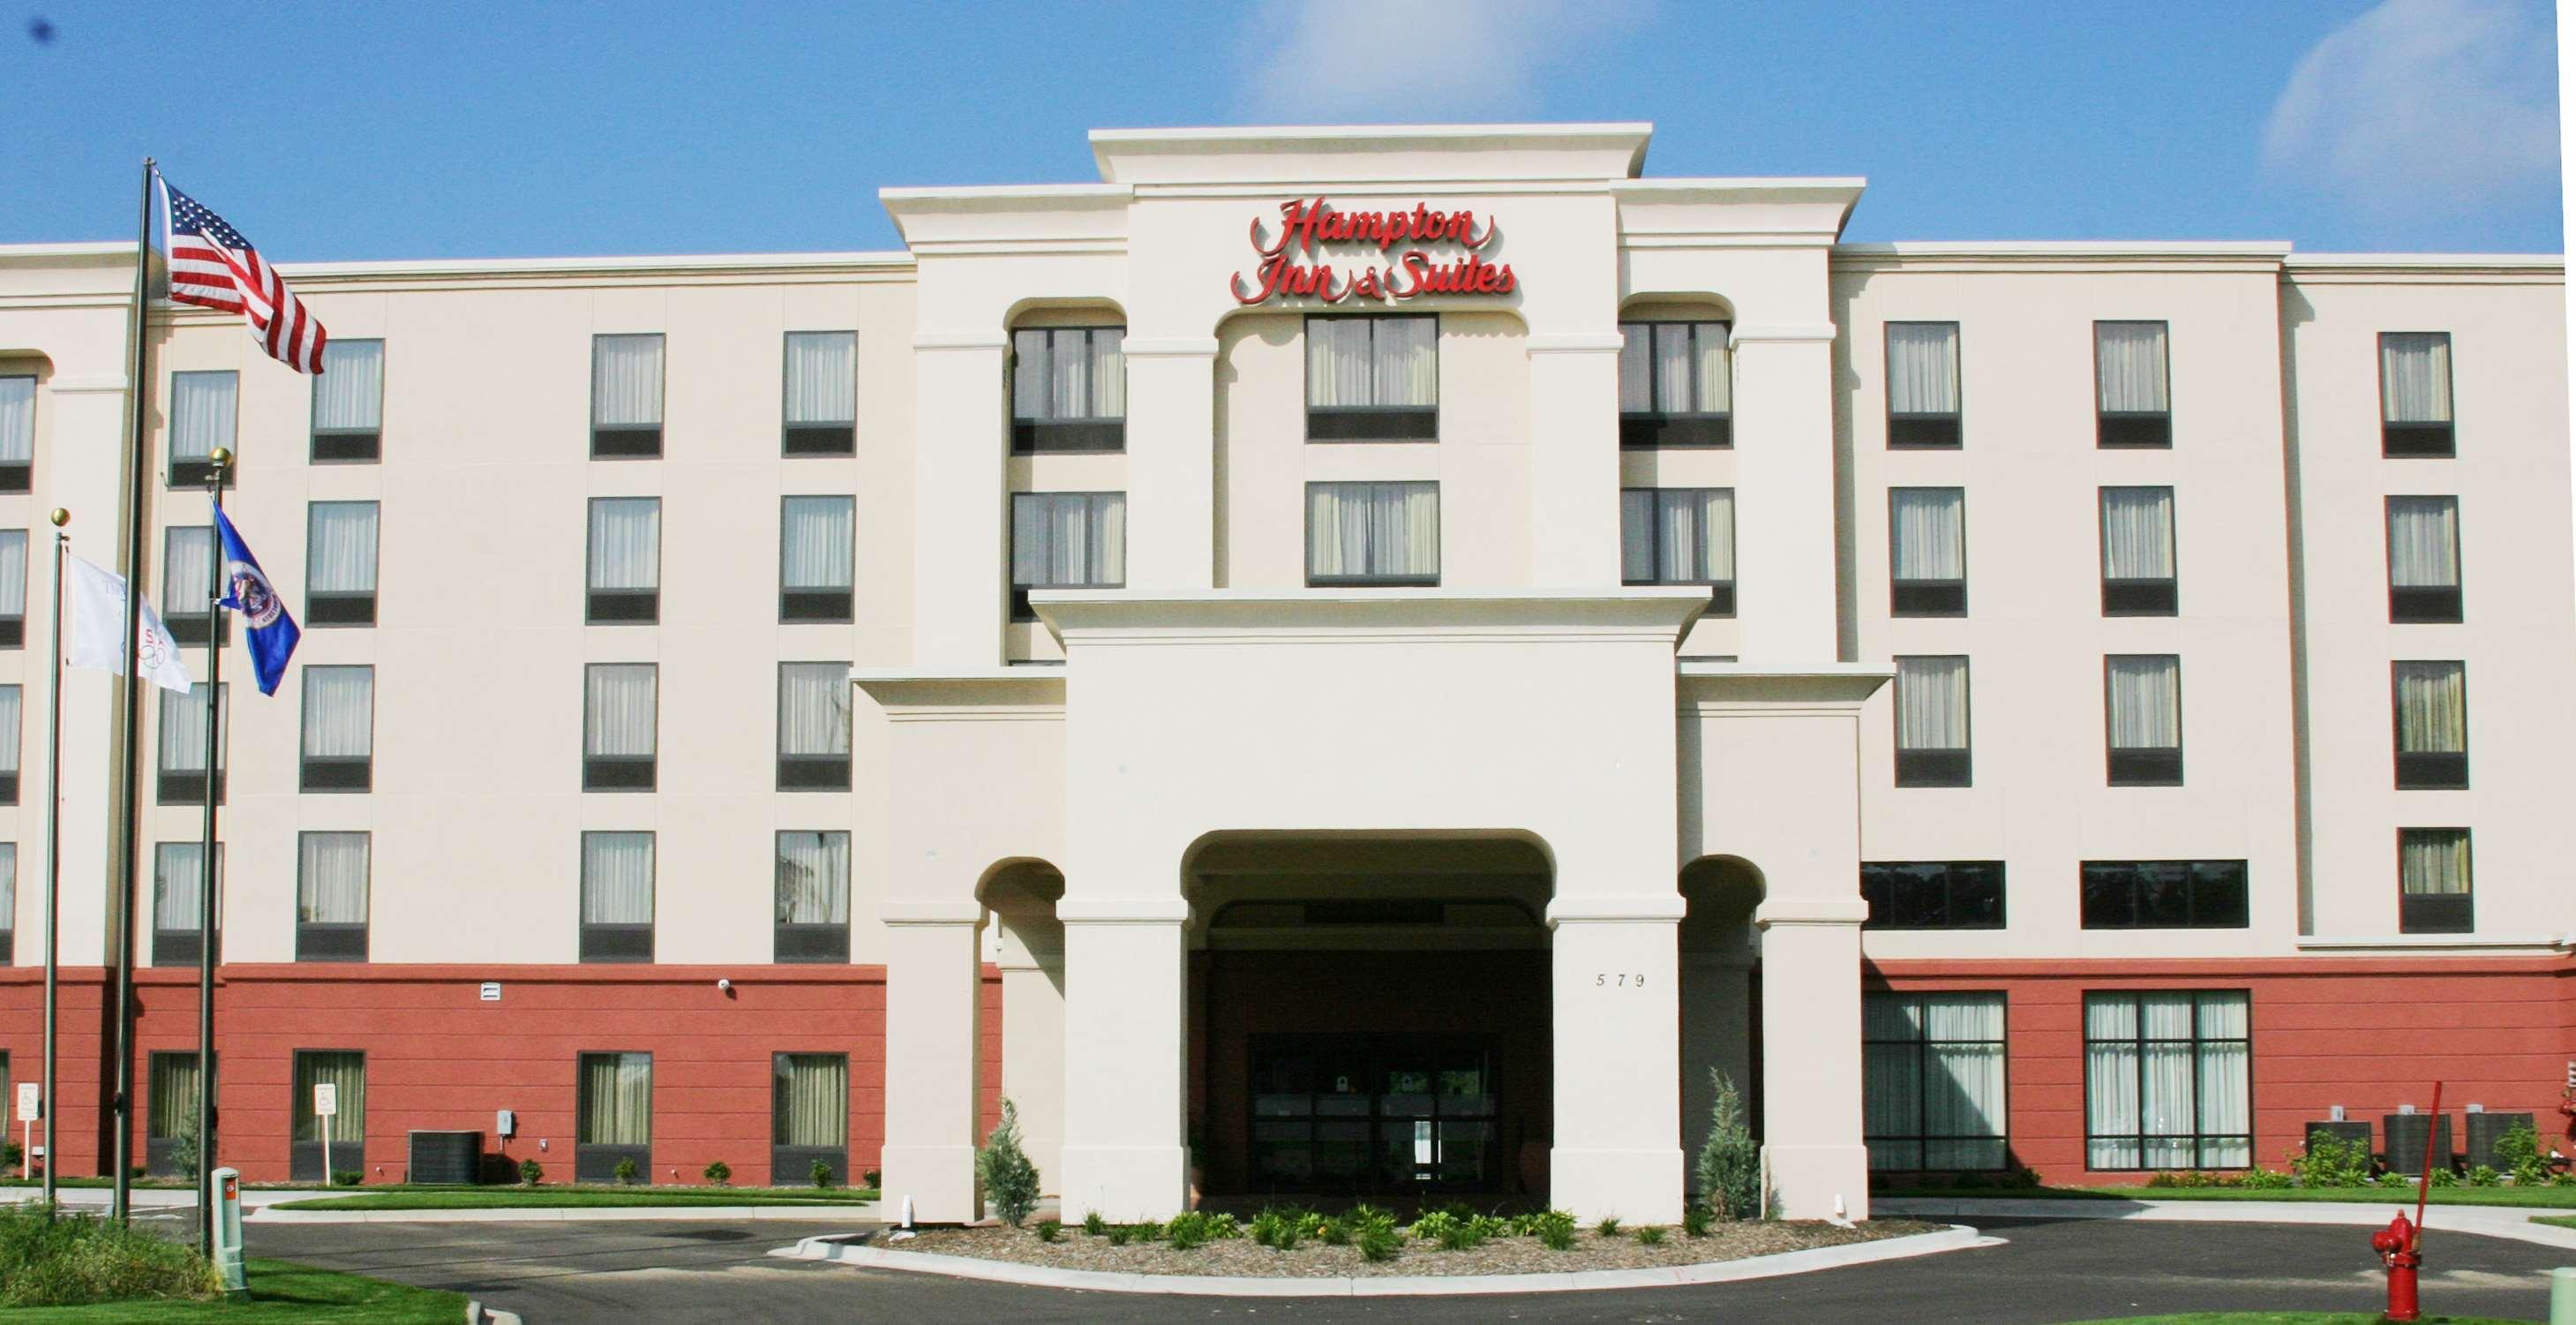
(257, 1206)
(2495, 1221)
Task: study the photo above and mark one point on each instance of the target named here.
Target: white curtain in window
(1675, 375)
(1068, 539)
(2433, 860)
(201, 413)
(2415, 377)
(339, 712)
(13, 572)
(1693, 535)
(2424, 542)
(2432, 707)
(331, 879)
(1637, 535)
(1963, 1090)
(10, 698)
(8, 897)
(2226, 1097)
(1373, 529)
(349, 396)
(617, 878)
(187, 569)
(1929, 533)
(1713, 366)
(2137, 534)
(616, 1100)
(618, 710)
(1892, 1077)
(17, 420)
(1108, 372)
(1931, 703)
(813, 878)
(178, 875)
(822, 376)
(1923, 367)
(1029, 374)
(626, 381)
(2146, 701)
(813, 709)
(1636, 368)
(625, 542)
(1407, 355)
(183, 729)
(2130, 362)
(343, 559)
(2111, 1081)
(2170, 1108)
(1068, 374)
(1337, 361)
(810, 1100)
(815, 542)
(345, 1071)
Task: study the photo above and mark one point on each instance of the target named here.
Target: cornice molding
(1091, 618)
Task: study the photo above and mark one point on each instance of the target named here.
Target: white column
(1786, 548)
(1574, 459)
(961, 538)
(1171, 462)
(1033, 1042)
(934, 997)
(1717, 1024)
(1812, 1156)
(1618, 1058)
(1126, 1154)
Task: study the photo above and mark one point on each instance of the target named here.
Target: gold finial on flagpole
(222, 456)
(60, 517)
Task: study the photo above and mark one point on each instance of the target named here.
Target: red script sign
(1305, 226)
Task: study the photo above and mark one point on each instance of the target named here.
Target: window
(183, 745)
(2167, 1081)
(1068, 389)
(620, 704)
(816, 537)
(2164, 894)
(2138, 552)
(1674, 384)
(8, 922)
(1372, 534)
(2423, 560)
(814, 726)
(187, 578)
(625, 397)
(2415, 394)
(616, 1116)
(2142, 706)
(822, 384)
(2433, 881)
(340, 566)
(1923, 384)
(1680, 536)
(17, 433)
(178, 900)
(339, 728)
(12, 699)
(1932, 722)
(2432, 702)
(1066, 540)
(331, 897)
(617, 897)
(170, 1108)
(1933, 894)
(349, 402)
(2129, 366)
(13, 589)
(202, 417)
(345, 1071)
(625, 561)
(813, 897)
(1373, 379)
(1933, 1081)
(809, 1116)
(1927, 551)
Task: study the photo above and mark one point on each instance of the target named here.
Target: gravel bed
(1315, 1260)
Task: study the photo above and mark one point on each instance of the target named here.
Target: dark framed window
(2433, 892)
(8, 922)
(2168, 1080)
(2424, 560)
(1068, 389)
(345, 1071)
(817, 541)
(2415, 395)
(13, 588)
(1384, 535)
(187, 580)
(204, 412)
(340, 563)
(1927, 551)
(178, 896)
(617, 874)
(1066, 540)
(1680, 536)
(1933, 1081)
(821, 382)
(614, 1121)
(814, 726)
(1932, 745)
(2164, 894)
(1933, 894)
(1373, 378)
(170, 1107)
(339, 728)
(809, 1117)
(17, 432)
(2138, 557)
(2142, 718)
(2431, 702)
(620, 726)
(626, 397)
(625, 561)
(349, 403)
(1676, 384)
(2133, 407)
(813, 897)
(331, 886)
(1923, 385)
(12, 713)
(181, 765)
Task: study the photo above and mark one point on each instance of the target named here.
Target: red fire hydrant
(2397, 1250)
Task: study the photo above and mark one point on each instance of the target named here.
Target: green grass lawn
(279, 1292)
(2295, 1318)
(557, 1198)
(2546, 1198)
(2561, 1221)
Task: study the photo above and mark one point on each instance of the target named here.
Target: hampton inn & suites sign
(1416, 255)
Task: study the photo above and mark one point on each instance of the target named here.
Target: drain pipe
(1841, 1217)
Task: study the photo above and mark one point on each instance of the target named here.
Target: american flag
(212, 266)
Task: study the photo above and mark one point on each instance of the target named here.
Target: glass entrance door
(1359, 1113)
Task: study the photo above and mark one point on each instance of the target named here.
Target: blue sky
(463, 130)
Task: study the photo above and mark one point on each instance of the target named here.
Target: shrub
(2518, 1152)
(2563, 1179)
(348, 1178)
(10, 1154)
(1695, 1222)
(1489, 1226)
(1557, 1236)
(2019, 1178)
(718, 1173)
(2331, 1161)
(1730, 1164)
(2443, 1177)
(70, 1259)
(1118, 1235)
(1290, 1232)
(183, 1151)
(2267, 1179)
(1432, 1224)
(2483, 1176)
(1650, 1236)
(1608, 1227)
(1223, 1227)
(1455, 1236)
(875, 1177)
(1265, 1228)
(626, 1172)
(1377, 1242)
(1188, 1229)
(1332, 1234)
(1049, 1230)
(820, 1174)
(1093, 1225)
(1363, 1217)
(1010, 1180)
(531, 1172)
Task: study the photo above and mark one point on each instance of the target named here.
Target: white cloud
(1344, 61)
(2422, 107)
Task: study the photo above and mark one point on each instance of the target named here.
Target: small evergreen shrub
(1010, 1180)
(1557, 1236)
(2518, 1153)
(1118, 1235)
(531, 1172)
(1730, 1164)
(1265, 1228)
(1695, 1222)
(717, 1173)
(1608, 1227)
(348, 1177)
(626, 1172)
(1093, 1225)
(1049, 1230)
(1187, 1230)
(2331, 1161)
(820, 1174)
(1377, 1242)
(1651, 1237)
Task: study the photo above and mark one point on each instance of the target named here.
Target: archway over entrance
(1721, 1011)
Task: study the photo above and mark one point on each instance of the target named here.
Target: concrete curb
(478, 1314)
(2496, 1221)
(838, 1212)
(1954, 1238)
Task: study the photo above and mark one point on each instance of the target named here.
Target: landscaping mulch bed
(1075, 1250)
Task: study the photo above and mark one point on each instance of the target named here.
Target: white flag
(98, 630)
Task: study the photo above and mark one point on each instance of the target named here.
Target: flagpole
(54, 852)
(216, 459)
(121, 1147)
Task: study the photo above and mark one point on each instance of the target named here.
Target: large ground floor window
(1933, 1081)
(2166, 1080)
